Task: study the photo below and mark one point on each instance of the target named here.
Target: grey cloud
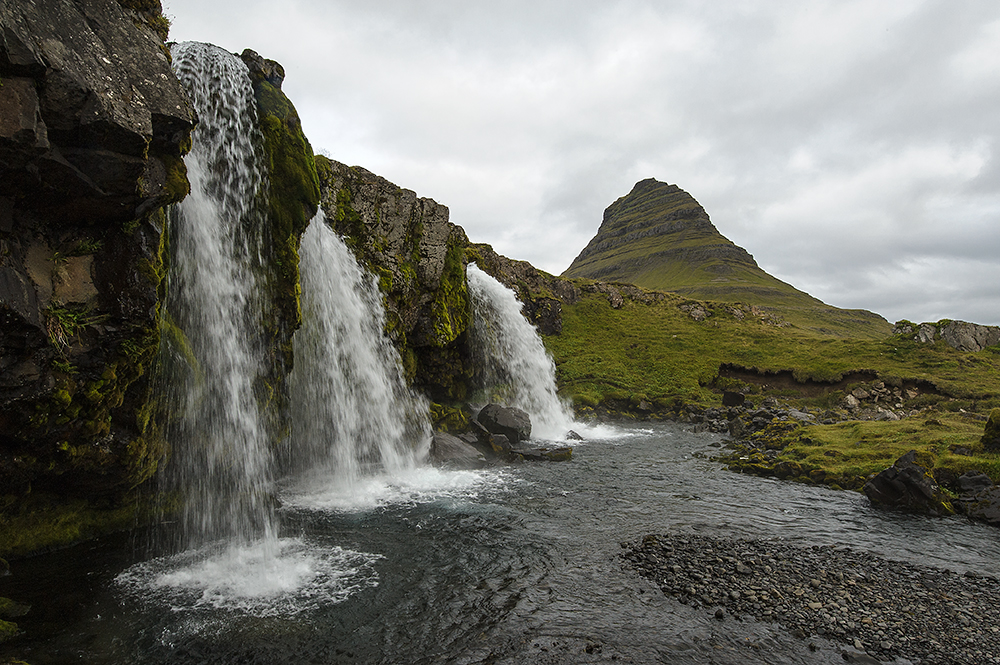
(850, 146)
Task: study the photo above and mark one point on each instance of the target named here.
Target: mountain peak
(659, 237)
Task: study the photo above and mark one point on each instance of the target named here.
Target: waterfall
(516, 368)
(211, 356)
(352, 413)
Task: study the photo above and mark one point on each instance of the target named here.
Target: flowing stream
(507, 565)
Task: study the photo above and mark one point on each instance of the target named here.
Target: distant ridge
(659, 237)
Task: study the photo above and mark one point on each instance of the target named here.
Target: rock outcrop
(419, 259)
(93, 127)
(961, 335)
(991, 432)
(452, 452)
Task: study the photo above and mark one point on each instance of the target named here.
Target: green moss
(45, 522)
(451, 308)
(657, 348)
(8, 630)
(847, 453)
(177, 184)
(151, 13)
(446, 418)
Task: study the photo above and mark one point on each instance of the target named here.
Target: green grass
(861, 448)
(660, 352)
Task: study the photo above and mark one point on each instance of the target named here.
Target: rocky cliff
(419, 259)
(93, 125)
(960, 335)
(93, 129)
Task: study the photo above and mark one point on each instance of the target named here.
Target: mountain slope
(659, 237)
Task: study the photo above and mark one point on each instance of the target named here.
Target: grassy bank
(846, 454)
(661, 353)
(668, 355)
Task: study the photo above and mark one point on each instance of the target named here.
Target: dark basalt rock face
(93, 127)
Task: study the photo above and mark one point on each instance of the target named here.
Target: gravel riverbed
(887, 609)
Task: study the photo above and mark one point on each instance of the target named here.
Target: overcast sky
(852, 147)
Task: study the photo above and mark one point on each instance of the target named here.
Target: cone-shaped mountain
(659, 237)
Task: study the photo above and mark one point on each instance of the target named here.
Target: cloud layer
(851, 147)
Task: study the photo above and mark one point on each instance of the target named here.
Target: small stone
(720, 614)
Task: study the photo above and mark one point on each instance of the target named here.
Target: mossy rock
(8, 630)
(991, 434)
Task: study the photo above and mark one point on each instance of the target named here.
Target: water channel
(512, 564)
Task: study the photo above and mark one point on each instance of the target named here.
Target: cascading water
(352, 413)
(516, 367)
(220, 457)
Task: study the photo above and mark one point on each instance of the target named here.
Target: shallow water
(511, 565)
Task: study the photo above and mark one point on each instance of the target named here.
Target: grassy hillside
(659, 352)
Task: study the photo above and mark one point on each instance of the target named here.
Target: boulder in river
(512, 422)
(909, 487)
(450, 451)
(984, 506)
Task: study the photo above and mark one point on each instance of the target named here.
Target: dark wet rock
(544, 454)
(451, 451)
(909, 487)
(512, 422)
(491, 445)
(93, 127)
(879, 610)
(730, 398)
(983, 506)
(973, 482)
(573, 436)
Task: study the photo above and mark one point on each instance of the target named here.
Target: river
(515, 564)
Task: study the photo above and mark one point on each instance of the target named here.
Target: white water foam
(419, 485)
(252, 579)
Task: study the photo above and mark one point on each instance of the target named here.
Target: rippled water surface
(511, 565)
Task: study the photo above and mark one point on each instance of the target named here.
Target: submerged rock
(560, 454)
(450, 451)
(909, 487)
